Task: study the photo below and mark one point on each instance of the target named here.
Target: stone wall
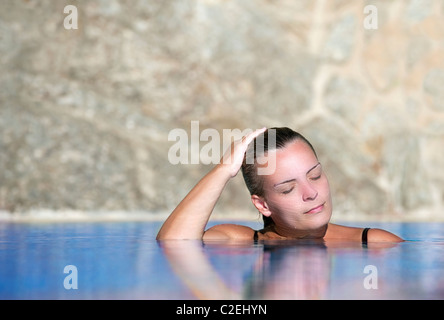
(85, 113)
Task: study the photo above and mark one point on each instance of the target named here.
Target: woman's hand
(190, 217)
(234, 156)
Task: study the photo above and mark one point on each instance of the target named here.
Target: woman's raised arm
(190, 217)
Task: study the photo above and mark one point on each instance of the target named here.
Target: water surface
(124, 261)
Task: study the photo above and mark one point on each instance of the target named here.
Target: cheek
(284, 204)
(323, 186)
(293, 203)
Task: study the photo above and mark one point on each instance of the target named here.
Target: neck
(291, 233)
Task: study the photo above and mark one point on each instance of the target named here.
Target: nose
(309, 193)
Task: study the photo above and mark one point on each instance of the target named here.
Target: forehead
(293, 160)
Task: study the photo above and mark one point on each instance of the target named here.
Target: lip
(315, 209)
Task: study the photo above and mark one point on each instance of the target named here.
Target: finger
(251, 136)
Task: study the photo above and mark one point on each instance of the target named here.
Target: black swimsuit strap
(364, 235)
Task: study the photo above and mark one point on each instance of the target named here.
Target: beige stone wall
(85, 114)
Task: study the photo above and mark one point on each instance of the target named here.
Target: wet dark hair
(254, 181)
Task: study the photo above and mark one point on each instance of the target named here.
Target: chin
(318, 220)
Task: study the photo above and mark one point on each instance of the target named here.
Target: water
(123, 261)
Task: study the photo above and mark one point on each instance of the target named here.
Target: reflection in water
(279, 270)
(124, 261)
(190, 264)
(290, 272)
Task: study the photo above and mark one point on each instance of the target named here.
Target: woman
(294, 198)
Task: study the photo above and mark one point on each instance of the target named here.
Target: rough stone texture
(85, 114)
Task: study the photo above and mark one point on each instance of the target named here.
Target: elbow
(164, 236)
(176, 236)
(166, 233)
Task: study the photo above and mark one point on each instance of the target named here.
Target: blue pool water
(123, 261)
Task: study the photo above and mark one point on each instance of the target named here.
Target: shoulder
(335, 231)
(229, 232)
(379, 235)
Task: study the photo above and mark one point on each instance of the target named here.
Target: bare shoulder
(229, 232)
(379, 235)
(338, 232)
(335, 231)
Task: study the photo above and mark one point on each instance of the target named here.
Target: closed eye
(287, 191)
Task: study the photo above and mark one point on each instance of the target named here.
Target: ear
(261, 205)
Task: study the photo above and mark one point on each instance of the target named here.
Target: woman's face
(297, 193)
